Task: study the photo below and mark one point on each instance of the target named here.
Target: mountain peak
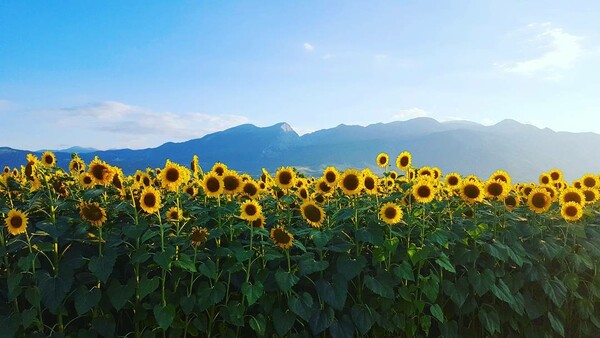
(284, 126)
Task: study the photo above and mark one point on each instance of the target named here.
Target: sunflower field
(403, 252)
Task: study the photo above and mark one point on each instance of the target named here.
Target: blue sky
(115, 74)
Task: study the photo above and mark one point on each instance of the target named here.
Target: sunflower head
(390, 213)
(250, 189)
(545, 178)
(250, 210)
(511, 202)
(539, 200)
(173, 176)
(589, 181)
(285, 178)
(425, 171)
(259, 222)
(191, 190)
(555, 175)
(212, 184)
(572, 195)
(393, 174)
(471, 191)
(150, 200)
(571, 211)
(101, 172)
(496, 189)
(232, 183)
(453, 180)
(48, 159)
(403, 160)
(313, 214)
(93, 213)
(16, 222)
(198, 236)
(321, 186)
(281, 237)
(424, 190)
(219, 168)
(86, 180)
(331, 175)
(76, 165)
(351, 182)
(174, 214)
(436, 172)
(370, 183)
(591, 195)
(383, 160)
(501, 175)
(303, 193)
(195, 166)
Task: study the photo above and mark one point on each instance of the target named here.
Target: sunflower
(16, 222)
(150, 200)
(219, 168)
(245, 177)
(555, 175)
(502, 176)
(76, 165)
(351, 182)
(545, 178)
(331, 175)
(93, 213)
(313, 214)
(471, 191)
(539, 200)
(511, 202)
(265, 176)
(6, 169)
(232, 183)
(393, 175)
(571, 211)
(437, 172)
(100, 171)
(551, 190)
(370, 183)
(28, 171)
(174, 214)
(383, 159)
(423, 190)
(250, 189)
(302, 193)
(390, 213)
(577, 184)
(281, 237)
(589, 181)
(572, 195)
(285, 178)
(250, 210)
(425, 171)
(49, 159)
(453, 180)
(117, 180)
(259, 222)
(191, 190)
(212, 184)
(591, 195)
(146, 181)
(496, 189)
(323, 187)
(319, 198)
(403, 160)
(198, 236)
(173, 176)
(411, 174)
(195, 166)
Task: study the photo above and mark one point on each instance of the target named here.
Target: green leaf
(482, 282)
(321, 320)
(437, 313)
(404, 271)
(550, 248)
(210, 296)
(321, 237)
(25, 263)
(258, 324)
(286, 280)
(119, 294)
(430, 287)
(209, 269)
(302, 306)
(14, 289)
(444, 262)
(497, 251)
(362, 316)
(185, 262)
(163, 259)
(489, 319)
(373, 235)
(9, 325)
(164, 315)
(571, 281)
(556, 324)
(439, 236)
(234, 314)
(105, 326)
(425, 323)
(102, 266)
(334, 293)
(283, 321)
(458, 292)
(502, 292)
(147, 286)
(555, 290)
(28, 316)
(309, 265)
(378, 287)
(252, 292)
(86, 299)
(54, 290)
(33, 296)
(342, 328)
(187, 303)
(350, 267)
(514, 256)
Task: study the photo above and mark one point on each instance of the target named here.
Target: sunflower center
(495, 189)
(197, 236)
(423, 191)
(285, 178)
(539, 200)
(172, 175)
(572, 197)
(403, 161)
(571, 211)
(220, 171)
(589, 182)
(369, 183)
(453, 180)
(150, 200)
(213, 184)
(117, 182)
(174, 214)
(324, 187)
(98, 171)
(545, 180)
(589, 195)
(281, 236)
(351, 182)
(230, 183)
(75, 166)
(312, 213)
(511, 201)
(382, 160)
(390, 213)
(16, 221)
(87, 180)
(48, 159)
(92, 213)
(471, 191)
(555, 176)
(146, 181)
(250, 189)
(330, 176)
(250, 209)
(258, 223)
(303, 194)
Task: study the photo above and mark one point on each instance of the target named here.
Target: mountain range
(465, 147)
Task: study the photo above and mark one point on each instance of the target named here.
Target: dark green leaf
(343, 328)
(234, 314)
(163, 259)
(436, 311)
(373, 235)
(321, 237)
(14, 289)
(86, 299)
(28, 316)
(378, 287)
(321, 320)
(252, 292)
(119, 294)
(350, 267)
(309, 265)
(556, 324)
(286, 280)
(502, 292)
(105, 326)
(185, 262)
(363, 319)
(283, 321)
(431, 287)
(405, 271)
(147, 286)
(187, 303)
(164, 315)
(209, 269)
(258, 324)
(102, 266)
(482, 282)
(10, 325)
(302, 306)
(334, 293)
(488, 317)
(444, 262)
(555, 290)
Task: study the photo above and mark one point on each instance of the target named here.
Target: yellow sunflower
(145, 180)
(219, 168)
(313, 214)
(390, 213)
(511, 202)
(93, 213)
(471, 191)
(86, 180)
(496, 189)
(191, 190)
(232, 183)
(589, 181)
(250, 189)
(556, 175)
(502, 176)
(383, 159)
(437, 172)
(6, 169)
(331, 175)
(302, 193)
(423, 190)
(76, 165)
(100, 171)
(453, 180)
(173, 176)
(545, 178)
(393, 174)
(403, 160)
(281, 237)
(259, 222)
(285, 178)
(212, 184)
(351, 182)
(591, 195)
(572, 195)
(571, 211)
(16, 222)
(577, 184)
(425, 171)
(370, 183)
(250, 210)
(323, 187)
(174, 214)
(198, 236)
(150, 200)
(195, 167)
(48, 159)
(539, 200)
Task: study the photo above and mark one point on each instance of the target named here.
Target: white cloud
(326, 56)
(308, 47)
(560, 51)
(408, 114)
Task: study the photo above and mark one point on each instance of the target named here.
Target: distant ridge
(456, 146)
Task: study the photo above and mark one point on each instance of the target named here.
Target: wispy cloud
(5, 105)
(559, 51)
(308, 47)
(411, 113)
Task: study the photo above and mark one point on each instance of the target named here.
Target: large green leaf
(343, 328)
(350, 267)
(481, 282)
(379, 287)
(209, 269)
(445, 263)
(334, 293)
(502, 292)
(488, 317)
(86, 299)
(321, 320)
(102, 266)
(252, 292)
(404, 271)
(556, 324)
(119, 294)
(258, 324)
(286, 280)
(363, 318)
(164, 315)
(283, 321)
(430, 286)
(302, 306)
(555, 290)
(147, 286)
(437, 313)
